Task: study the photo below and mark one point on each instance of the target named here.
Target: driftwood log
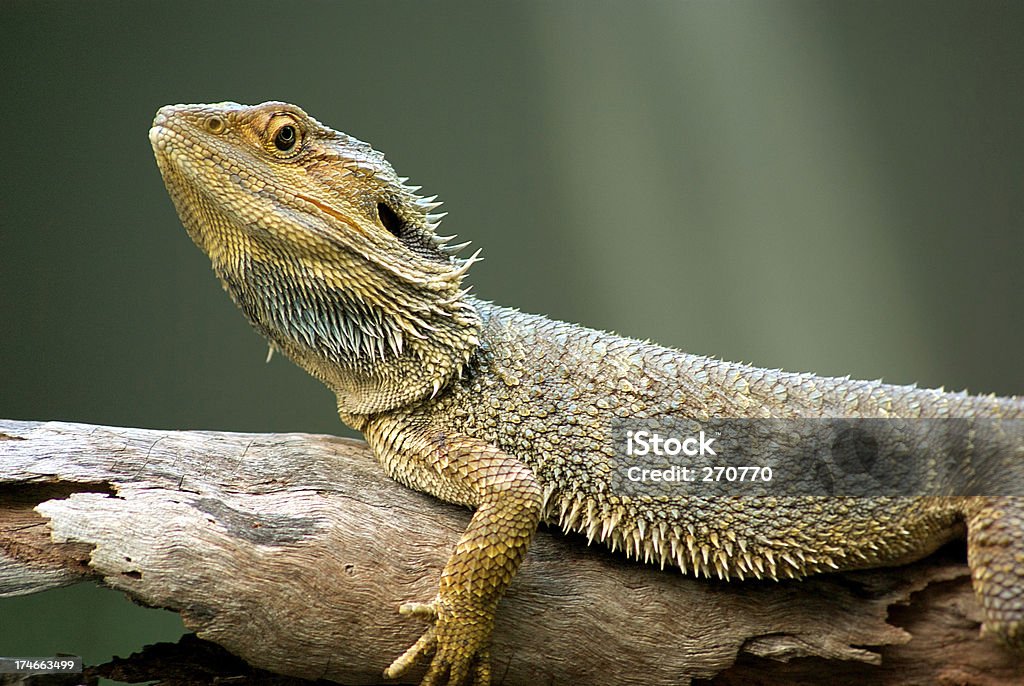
(293, 552)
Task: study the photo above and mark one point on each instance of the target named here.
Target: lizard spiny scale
(509, 413)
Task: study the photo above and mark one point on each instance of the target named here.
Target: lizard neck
(371, 357)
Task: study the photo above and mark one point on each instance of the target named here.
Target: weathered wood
(293, 551)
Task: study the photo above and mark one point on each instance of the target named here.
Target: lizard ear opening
(390, 220)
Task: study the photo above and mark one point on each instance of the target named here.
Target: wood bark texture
(294, 551)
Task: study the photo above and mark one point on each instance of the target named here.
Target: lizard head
(328, 252)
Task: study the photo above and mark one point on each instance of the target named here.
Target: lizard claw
(460, 652)
(426, 645)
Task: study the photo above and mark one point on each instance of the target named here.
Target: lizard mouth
(330, 211)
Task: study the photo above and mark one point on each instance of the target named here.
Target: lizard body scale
(336, 261)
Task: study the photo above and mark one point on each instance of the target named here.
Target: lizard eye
(285, 138)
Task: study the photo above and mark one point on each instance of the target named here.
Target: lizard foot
(459, 648)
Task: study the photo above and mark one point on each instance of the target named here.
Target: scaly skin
(336, 262)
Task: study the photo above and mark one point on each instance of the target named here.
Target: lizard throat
(306, 317)
(371, 358)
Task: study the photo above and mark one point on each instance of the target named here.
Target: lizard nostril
(215, 124)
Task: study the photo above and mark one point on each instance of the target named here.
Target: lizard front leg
(508, 500)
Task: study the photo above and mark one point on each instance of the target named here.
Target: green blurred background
(822, 186)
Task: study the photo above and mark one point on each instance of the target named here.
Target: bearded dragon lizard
(337, 262)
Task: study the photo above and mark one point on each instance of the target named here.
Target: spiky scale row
(662, 543)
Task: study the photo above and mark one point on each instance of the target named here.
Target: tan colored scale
(337, 262)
